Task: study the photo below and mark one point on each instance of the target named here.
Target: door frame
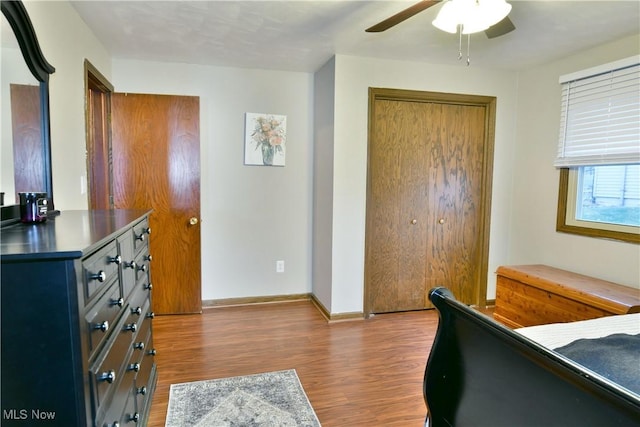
(96, 83)
(489, 103)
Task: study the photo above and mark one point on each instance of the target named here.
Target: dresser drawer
(121, 410)
(136, 315)
(107, 370)
(99, 269)
(101, 317)
(128, 279)
(140, 234)
(143, 267)
(142, 383)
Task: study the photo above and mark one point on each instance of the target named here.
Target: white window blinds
(600, 117)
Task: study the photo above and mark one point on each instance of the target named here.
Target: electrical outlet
(280, 266)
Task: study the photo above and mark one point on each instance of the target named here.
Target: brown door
(156, 165)
(98, 110)
(26, 127)
(428, 198)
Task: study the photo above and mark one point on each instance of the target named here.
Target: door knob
(414, 221)
(193, 221)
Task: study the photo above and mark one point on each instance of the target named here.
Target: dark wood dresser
(528, 295)
(77, 343)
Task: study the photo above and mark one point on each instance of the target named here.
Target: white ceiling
(302, 35)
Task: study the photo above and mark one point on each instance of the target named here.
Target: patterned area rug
(272, 399)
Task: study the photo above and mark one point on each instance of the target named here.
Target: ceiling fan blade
(401, 16)
(501, 28)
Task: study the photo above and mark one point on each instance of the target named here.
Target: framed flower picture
(265, 139)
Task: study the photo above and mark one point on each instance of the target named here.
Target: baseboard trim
(228, 302)
(272, 299)
(339, 317)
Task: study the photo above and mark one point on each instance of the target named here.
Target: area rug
(271, 399)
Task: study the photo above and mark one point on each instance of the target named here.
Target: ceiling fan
(502, 27)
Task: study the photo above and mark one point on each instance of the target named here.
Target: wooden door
(156, 165)
(98, 92)
(427, 198)
(26, 125)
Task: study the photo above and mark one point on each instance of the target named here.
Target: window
(599, 152)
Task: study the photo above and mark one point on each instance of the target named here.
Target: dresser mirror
(25, 138)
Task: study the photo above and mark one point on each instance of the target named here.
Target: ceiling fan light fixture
(472, 16)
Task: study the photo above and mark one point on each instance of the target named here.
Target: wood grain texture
(430, 158)
(355, 373)
(28, 151)
(528, 295)
(99, 161)
(156, 155)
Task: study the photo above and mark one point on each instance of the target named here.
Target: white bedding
(557, 335)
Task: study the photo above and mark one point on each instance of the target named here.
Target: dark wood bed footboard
(480, 373)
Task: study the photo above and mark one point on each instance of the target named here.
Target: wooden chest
(528, 295)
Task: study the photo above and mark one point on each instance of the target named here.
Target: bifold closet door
(424, 202)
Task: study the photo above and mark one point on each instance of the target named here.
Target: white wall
(323, 124)
(66, 41)
(532, 235)
(251, 215)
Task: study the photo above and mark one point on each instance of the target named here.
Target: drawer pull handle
(134, 367)
(119, 302)
(140, 236)
(147, 230)
(148, 286)
(115, 424)
(142, 268)
(148, 258)
(109, 377)
(151, 352)
(131, 327)
(150, 315)
(101, 276)
(135, 417)
(131, 264)
(141, 390)
(137, 310)
(116, 259)
(139, 345)
(104, 326)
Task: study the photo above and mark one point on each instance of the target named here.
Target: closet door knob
(441, 221)
(193, 221)
(414, 221)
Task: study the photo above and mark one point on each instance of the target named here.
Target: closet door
(396, 206)
(427, 199)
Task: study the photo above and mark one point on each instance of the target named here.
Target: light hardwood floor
(355, 373)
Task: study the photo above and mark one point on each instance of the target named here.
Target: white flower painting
(265, 139)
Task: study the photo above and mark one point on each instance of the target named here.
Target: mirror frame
(19, 20)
